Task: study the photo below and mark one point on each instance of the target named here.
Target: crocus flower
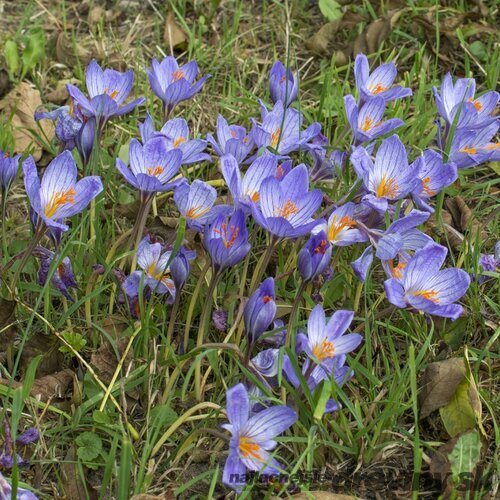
(252, 437)
(245, 189)
(6, 491)
(459, 98)
(176, 132)
(278, 337)
(489, 263)
(31, 435)
(341, 227)
(366, 121)
(260, 310)
(179, 267)
(59, 195)
(108, 89)
(226, 240)
(314, 257)
(283, 84)
(326, 166)
(266, 362)
(426, 288)
(173, 83)
(435, 176)
(8, 170)
(219, 318)
(286, 207)
(196, 204)
(68, 124)
(153, 259)
(379, 83)
(281, 130)
(231, 140)
(63, 278)
(152, 166)
(325, 340)
(470, 148)
(390, 178)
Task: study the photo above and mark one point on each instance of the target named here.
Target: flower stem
(205, 314)
(4, 223)
(173, 317)
(293, 313)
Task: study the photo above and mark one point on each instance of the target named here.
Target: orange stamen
(196, 212)
(255, 197)
(324, 350)
(469, 150)
(387, 188)
(223, 232)
(321, 248)
(431, 295)
(179, 141)
(376, 89)
(427, 190)
(267, 299)
(492, 146)
(288, 209)
(477, 104)
(275, 137)
(177, 75)
(335, 228)
(367, 124)
(233, 134)
(249, 448)
(57, 200)
(155, 171)
(396, 271)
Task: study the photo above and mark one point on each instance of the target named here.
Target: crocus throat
(397, 269)
(155, 171)
(431, 295)
(196, 212)
(337, 227)
(377, 88)
(111, 94)
(275, 137)
(179, 141)
(367, 124)
(425, 186)
(287, 210)
(387, 188)
(228, 239)
(177, 75)
(267, 298)
(477, 104)
(250, 449)
(58, 200)
(324, 350)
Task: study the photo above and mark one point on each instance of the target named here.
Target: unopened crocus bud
(315, 256)
(260, 310)
(8, 170)
(219, 317)
(179, 267)
(283, 84)
(85, 139)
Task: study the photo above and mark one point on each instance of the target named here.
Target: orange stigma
(469, 150)
(196, 212)
(228, 240)
(377, 89)
(288, 209)
(255, 197)
(427, 190)
(249, 448)
(179, 141)
(155, 171)
(387, 188)
(275, 137)
(267, 298)
(431, 295)
(396, 270)
(324, 350)
(321, 248)
(367, 124)
(477, 104)
(177, 75)
(58, 200)
(336, 227)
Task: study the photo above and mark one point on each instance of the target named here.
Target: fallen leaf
(48, 347)
(57, 96)
(7, 320)
(74, 487)
(173, 34)
(168, 495)
(20, 104)
(375, 33)
(70, 53)
(463, 218)
(319, 42)
(105, 359)
(52, 386)
(4, 82)
(439, 383)
(440, 467)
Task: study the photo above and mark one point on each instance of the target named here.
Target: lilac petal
(127, 174)
(269, 423)
(234, 475)
(362, 264)
(339, 323)
(29, 436)
(237, 406)
(395, 293)
(347, 343)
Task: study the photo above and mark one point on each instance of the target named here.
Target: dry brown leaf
(173, 33)
(65, 51)
(51, 386)
(72, 483)
(105, 359)
(463, 218)
(319, 42)
(58, 96)
(440, 467)
(7, 318)
(439, 383)
(4, 82)
(21, 103)
(375, 33)
(48, 347)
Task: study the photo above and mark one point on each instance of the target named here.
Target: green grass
(152, 433)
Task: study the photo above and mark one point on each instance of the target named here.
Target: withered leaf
(69, 53)
(168, 495)
(48, 347)
(439, 383)
(375, 33)
(73, 485)
(51, 386)
(105, 359)
(20, 104)
(319, 42)
(7, 318)
(173, 34)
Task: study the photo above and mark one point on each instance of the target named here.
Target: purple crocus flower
(379, 83)
(281, 130)
(435, 176)
(252, 437)
(470, 148)
(260, 310)
(283, 84)
(426, 288)
(489, 263)
(30, 435)
(152, 166)
(176, 132)
(245, 189)
(108, 89)
(390, 178)
(226, 240)
(326, 167)
(63, 278)
(8, 170)
(266, 362)
(59, 195)
(341, 227)
(179, 267)
(219, 318)
(68, 124)
(6, 491)
(153, 259)
(286, 207)
(314, 257)
(231, 140)
(459, 98)
(366, 121)
(196, 204)
(325, 340)
(173, 83)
